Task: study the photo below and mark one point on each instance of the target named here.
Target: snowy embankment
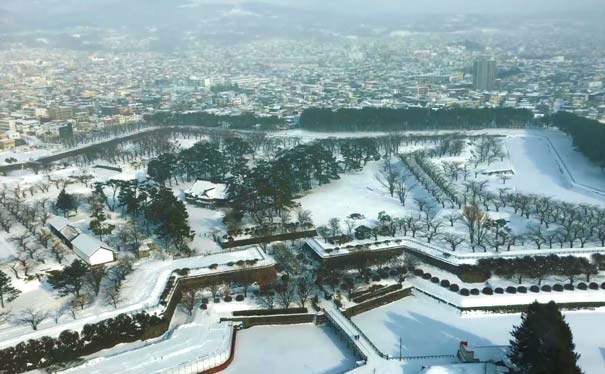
(538, 169)
(190, 348)
(427, 327)
(141, 290)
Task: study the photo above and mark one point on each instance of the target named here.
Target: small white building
(87, 247)
(91, 250)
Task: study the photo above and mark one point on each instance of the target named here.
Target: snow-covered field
(294, 349)
(537, 171)
(356, 192)
(427, 327)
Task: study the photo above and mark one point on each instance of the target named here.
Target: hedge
(269, 312)
(472, 274)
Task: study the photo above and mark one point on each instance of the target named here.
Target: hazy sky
(372, 6)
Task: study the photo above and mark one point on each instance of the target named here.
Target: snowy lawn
(357, 192)
(294, 349)
(427, 327)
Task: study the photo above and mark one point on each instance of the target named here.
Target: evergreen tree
(543, 343)
(66, 203)
(98, 224)
(70, 279)
(8, 293)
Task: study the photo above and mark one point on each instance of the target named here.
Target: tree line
(69, 345)
(244, 121)
(588, 135)
(390, 119)
(538, 267)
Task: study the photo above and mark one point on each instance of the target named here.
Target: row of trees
(539, 267)
(588, 135)
(245, 121)
(69, 345)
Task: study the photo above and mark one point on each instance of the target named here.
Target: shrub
(239, 298)
(522, 289)
(435, 280)
(568, 287)
(419, 272)
(240, 263)
(393, 272)
(499, 290)
(182, 272)
(454, 288)
(475, 291)
(534, 289)
(546, 288)
(603, 286)
(593, 286)
(212, 266)
(464, 292)
(426, 276)
(217, 300)
(557, 287)
(488, 291)
(204, 300)
(230, 263)
(204, 306)
(582, 286)
(445, 283)
(511, 289)
(376, 278)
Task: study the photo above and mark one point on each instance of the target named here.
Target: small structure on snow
(207, 194)
(87, 247)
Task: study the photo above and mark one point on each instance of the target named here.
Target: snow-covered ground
(537, 171)
(141, 290)
(293, 349)
(356, 192)
(427, 327)
(190, 348)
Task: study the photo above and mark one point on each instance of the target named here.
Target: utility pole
(400, 348)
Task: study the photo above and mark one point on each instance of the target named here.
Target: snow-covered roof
(58, 223)
(208, 190)
(88, 245)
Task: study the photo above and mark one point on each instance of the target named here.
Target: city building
(484, 75)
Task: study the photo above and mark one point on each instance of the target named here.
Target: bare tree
(189, 298)
(267, 298)
(304, 218)
(285, 294)
(476, 222)
(32, 317)
(388, 177)
(453, 240)
(303, 290)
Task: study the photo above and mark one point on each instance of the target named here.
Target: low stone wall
(377, 302)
